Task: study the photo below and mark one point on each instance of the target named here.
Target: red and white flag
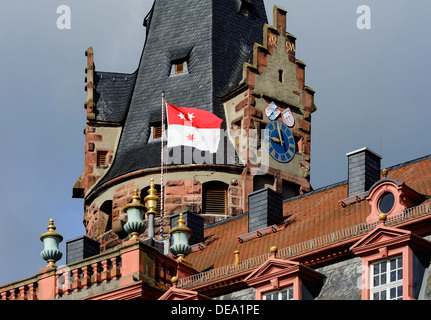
(193, 127)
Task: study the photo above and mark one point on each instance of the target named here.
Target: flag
(193, 127)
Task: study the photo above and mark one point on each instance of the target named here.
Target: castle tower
(215, 55)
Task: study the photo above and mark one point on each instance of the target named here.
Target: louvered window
(215, 199)
(179, 67)
(157, 132)
(102, 158)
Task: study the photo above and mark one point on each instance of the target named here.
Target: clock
(279, 141)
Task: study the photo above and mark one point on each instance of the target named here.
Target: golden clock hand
(279, 133)
(275, 140)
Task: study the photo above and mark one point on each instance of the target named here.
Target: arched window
(215, 197)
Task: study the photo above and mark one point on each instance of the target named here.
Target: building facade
(242, 223)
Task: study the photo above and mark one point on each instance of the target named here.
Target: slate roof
(310, 215)
(216, 39)
(112, 95)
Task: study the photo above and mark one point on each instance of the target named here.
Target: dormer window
(390, 197)
(387, 279)
(157, 131)
(247, 8)
(179, 66)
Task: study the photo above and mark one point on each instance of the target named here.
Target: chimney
(363, 170)
(81, 248)
(265, 208)
(194, 221)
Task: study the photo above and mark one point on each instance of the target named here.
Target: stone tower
(216, 55)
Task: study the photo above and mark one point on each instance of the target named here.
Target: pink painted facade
(404, 197)
(276, 274)
(382, 244)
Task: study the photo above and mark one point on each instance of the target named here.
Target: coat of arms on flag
(272, 111)
(193, 127)
(288, 117)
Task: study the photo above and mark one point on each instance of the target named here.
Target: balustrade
(21, 291)
(73, 280)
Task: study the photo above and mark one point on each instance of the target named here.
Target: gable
(271, 268)
(179, 294)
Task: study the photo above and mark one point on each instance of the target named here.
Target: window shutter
(157, 132)
(215, 201)
(179, 67)
(102, 158)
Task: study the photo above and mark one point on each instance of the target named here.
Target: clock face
(279, 141)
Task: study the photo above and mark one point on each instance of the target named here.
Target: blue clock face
(279, 141)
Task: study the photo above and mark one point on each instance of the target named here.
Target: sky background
(370, 85)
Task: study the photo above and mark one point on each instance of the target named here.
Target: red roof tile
(314, 214)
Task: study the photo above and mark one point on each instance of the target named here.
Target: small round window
(386, 202)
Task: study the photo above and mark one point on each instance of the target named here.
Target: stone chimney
(363, 170)
(81, 248)
(265, 208)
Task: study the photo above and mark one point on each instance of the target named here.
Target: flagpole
(162, 167)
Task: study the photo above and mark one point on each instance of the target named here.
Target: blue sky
(370, 85)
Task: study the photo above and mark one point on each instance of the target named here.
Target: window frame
(381, 198)
(214, 197)
(175, 67)
(289, 293)
(388, 285)
(102, 154)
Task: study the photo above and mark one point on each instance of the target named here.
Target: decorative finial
(135, 211)
(51, 227)
(273, 251)
(51, 239)
(236, 254)
(135, 198)
(181, 222)
(151, 199)
(174, 281)
(382, 218)
(385, 173)
(51, 231)
(180, 239)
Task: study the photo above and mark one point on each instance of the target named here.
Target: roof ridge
(116, 73)
(337, 184)
(331, 186)
(228, 219)
(407, 163)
